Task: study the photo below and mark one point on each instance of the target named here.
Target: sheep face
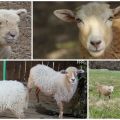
(95, 27)
(95, 36)
(111, 88)
(94, 21)
(71, 77)
(9, 20)
(72, 73)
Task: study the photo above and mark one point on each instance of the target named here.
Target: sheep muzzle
(11, 36)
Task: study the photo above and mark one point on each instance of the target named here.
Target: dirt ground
(34, 110)
(22, 47)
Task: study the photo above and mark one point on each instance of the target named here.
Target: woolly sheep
(61, 86)
(95, 21)
(104, 90)
(13, 96)
(9, 30)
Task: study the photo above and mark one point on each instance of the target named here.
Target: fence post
(4, 69)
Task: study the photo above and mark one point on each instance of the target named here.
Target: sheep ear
(116, 10)
(21, 12)
(65, 15)
(80, 71)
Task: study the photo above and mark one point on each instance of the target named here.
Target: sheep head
(111, 88)
(9, 20)
(71, 74)
(94, 21)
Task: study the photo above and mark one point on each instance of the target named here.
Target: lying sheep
(104, 90)
(9, 30)
(61, 86)
(95, 21)
(13, 96)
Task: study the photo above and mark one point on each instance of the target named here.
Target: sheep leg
(109, 96)
(37, 94)
(29, 90)
(18, 114)
(21, 116)
(99, 95)
(60, 105)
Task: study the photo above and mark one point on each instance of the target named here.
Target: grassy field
(103, 107)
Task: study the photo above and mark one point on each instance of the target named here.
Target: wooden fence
(19, 70)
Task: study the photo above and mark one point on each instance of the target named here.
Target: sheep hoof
(60, 117)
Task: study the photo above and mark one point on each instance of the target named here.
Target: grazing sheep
(13, 96)
(9, 30)
(95, 21)
(104, 90)
(61, 86)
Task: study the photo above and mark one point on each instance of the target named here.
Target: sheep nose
(95, 43)
(12, 33)
(73, 80)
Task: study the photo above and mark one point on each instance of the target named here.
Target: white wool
(13, 96)
(52, 82)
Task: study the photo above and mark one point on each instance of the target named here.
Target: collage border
(32, 32)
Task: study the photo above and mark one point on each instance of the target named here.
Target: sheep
(37, 91)
(61, 86)
(13, 96)
(95, 22)
(104, 90)
(9, 31)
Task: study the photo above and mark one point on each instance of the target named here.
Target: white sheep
(95, 21)
(104, 90)
(9, 31)
(61, 86)
(13, 96)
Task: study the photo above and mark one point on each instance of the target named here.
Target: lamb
(13, 96)
(95, 21)
(104, 90)
(9, 31)
(61, 86)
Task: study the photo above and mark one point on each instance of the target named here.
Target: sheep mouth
(97, 50)
(9, 41)
(96, 53)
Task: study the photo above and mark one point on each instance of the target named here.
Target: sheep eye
(78, 20)
(110, 18)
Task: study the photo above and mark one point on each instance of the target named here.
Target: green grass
(103, 107)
